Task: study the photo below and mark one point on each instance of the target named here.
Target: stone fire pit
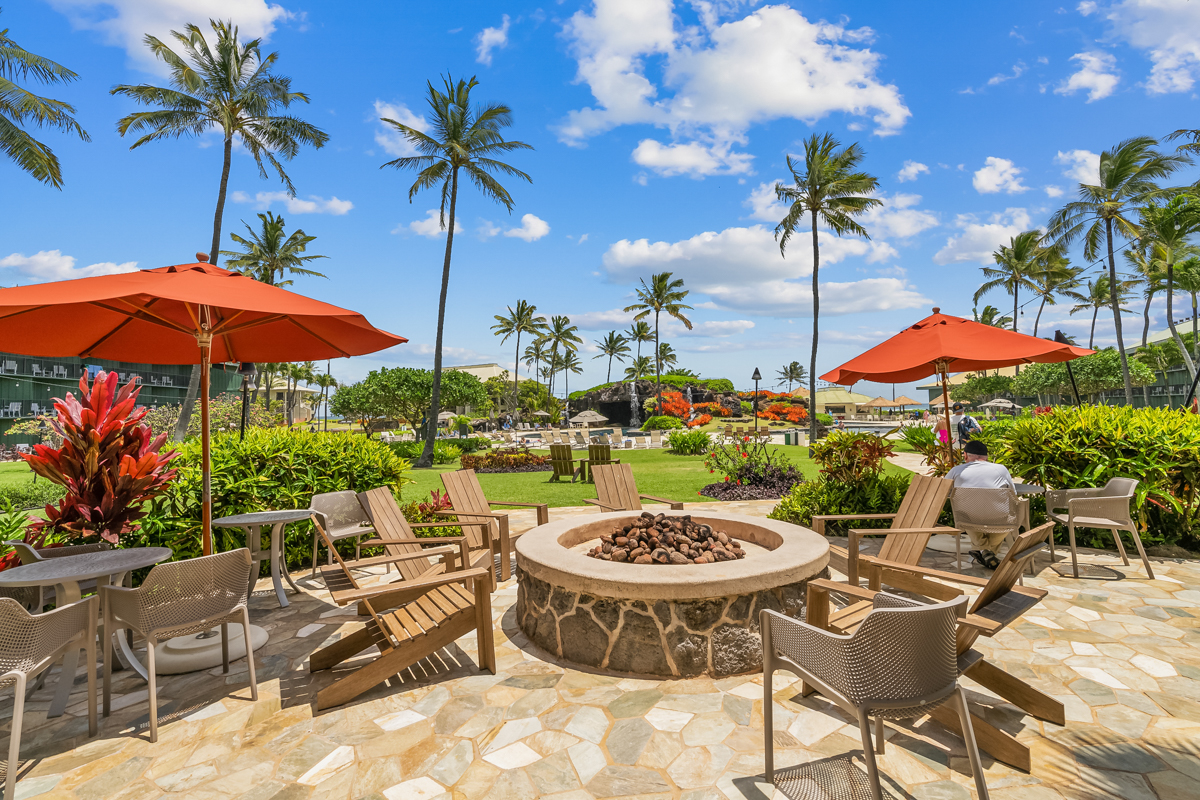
(681, 621)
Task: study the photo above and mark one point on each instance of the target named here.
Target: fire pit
(680, 620)
(660, 539)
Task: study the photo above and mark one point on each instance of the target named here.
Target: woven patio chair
(1108, 508)
(180, 598)
(35, 598)
(29, 644)
(900, 663)
(992, 511)
(343, 517)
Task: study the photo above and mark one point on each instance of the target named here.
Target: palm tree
(666, 356)
(534, 354)
(1168, 228)
(637, 368)
(295, 374)
(524, 319)
(463, 139)
(1187, 278)
(560, 333)
(569, 363)
(614, 345)
(1017, 263)
(1055, 277)
(1097, 296)
(1154, 280)
(833, 193)
(638, 333)
(326, 382)
(1157, 357)
(792, 373)
(18, 106)
(990, 316)
(661, 294)
(1126, 182)
(269, 255)
(229, 87)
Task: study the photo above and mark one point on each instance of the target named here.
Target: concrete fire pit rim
(801, 554)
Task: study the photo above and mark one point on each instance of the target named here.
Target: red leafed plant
(108, 462)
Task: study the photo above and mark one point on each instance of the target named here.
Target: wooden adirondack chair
(409, 621)
(598, 455)
(616, 490)
(397, 537)
(563, 462)
(1000, 603)
(469, 502)
(911, 527)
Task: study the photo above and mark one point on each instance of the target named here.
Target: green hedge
(677, 381)
(663, 423)
(876, 494)
(274, 468)
(444, 452)
(34, 494)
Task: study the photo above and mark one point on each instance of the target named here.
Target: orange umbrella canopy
(942, 343)
(153, 316)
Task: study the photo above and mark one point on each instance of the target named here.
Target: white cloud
(998, 175)
(487, 229)
(1096, 76)
(582, 239)
(532, 229)
(430, 226)
(490, 39)
(1053, 191)
(1169, 32)
(295, 205)
(1081, 165)
(718, 80)
(979, 239)
(1086, 8)
(124, 23)
(612, 319)
(388, 137)
(764, 204)
(720, 328)
(693, 159)
(52, 265)
(911, 170)
(898, 217)
(1017, 70)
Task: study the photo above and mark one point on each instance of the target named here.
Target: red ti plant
(108, 462)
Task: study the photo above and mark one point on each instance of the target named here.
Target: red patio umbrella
(185, 314)
(944, 344)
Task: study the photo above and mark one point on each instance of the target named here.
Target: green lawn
(658, 473)
(14, 473)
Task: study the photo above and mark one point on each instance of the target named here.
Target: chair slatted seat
(470, 503)
(616, 490)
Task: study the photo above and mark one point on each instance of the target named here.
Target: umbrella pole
(942, 368)
(205, 341)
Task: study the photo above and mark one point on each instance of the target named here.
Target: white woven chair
(177, 599)
(1108, 508)
(342, 517)
(901, 663)
(992, 511)
(29, 644)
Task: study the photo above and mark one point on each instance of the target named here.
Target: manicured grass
(14, 473)
(658, 473)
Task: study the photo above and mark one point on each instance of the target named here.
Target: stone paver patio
(1121, 652)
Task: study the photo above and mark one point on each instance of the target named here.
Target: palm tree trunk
(516, 372)
(1038, 320)
(657, 365)
(189, 402)
(1016, 310)
(812, 361)
(1195, 339)
(1183, 351)
(608, 378)
(1092, 336)
(1145, 337)
(1115, 292)
(426, 459)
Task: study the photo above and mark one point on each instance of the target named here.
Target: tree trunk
(1038, 320)
(189, 400)
(1016, 309)
(516, 373)
(1092, 336)
(1195, 338)
(657, 365)
(1114, 290)
(1145, 337)
(426, 459)
(812, 361)
(608, 379)
(1183, 351)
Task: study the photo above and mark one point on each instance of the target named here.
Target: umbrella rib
(225, 322)
(319, 338)
(138, 313)
(254, 323)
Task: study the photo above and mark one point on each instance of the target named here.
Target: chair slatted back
(599, 454)
(616, 488)
(467, 499)
(562, 461)
(394, 530)
(920, 508)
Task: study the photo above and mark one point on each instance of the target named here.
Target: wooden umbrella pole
(204, 338)
(943, 368)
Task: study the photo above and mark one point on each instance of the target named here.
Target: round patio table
(65, 574)
(253, 524)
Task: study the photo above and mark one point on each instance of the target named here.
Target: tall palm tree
(560, 334)
(661, 294)
(303, 372)
(1016, 264)
(1157, 357)
(1154, 280)
(326, 382)
(828, 188)
(990, 316)
(460, 138)
(1168, 229)
(1187, 278)
(534, 355)
(523, 319)
(1055, 278)
(791, 373)
(230, 87)
(638, 367)
(639, 332)
(269, 255)
(1097, 295)
(1126, 182)
(666, 356)
(569, 363)
(614, 345)
(19, 106)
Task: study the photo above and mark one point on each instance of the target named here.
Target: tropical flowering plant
(109, 462)
(715, 409)
(849, 457)
(744, 461)
(702, 419)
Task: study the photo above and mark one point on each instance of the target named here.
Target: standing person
(942, 429)
(963, 426)
(976, 472)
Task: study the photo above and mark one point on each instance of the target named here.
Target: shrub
(674, 405)
(925, 441)
(849, 457)
(662, 424)
(473, 444)
(716, 409)
(224, 414)
(825, 419)
(876, 494)
(33, 494)
(749, 464)
(273, 468)
(702, 419)
(747, 408)
(691, 443)
(443, 452)
(678, 381)
(513, 459)
(426, 511)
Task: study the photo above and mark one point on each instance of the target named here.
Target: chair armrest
(1058, 498)
(373, 560)
(890, 531)
(956, 577)
(674, 504)
(518, 505)
(445, 525)
(392, 595)
(490, 514)
(844, 588)
(123, 603)
(853, 516)
(1112, 508)
(596, 502)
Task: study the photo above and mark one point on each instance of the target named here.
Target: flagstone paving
(1121, 652)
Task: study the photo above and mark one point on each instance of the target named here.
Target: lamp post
(756, 377)
(248, 371)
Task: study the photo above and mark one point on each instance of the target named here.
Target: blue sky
(658, 130)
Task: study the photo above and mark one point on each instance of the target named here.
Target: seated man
(976, 472)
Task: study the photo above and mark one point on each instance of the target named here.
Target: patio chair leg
(1074, 553)
(225, 648)
(314, 559)
(968, 734)
(107, 656)
(768, 723)
(1137, 540)
(1120, 546)
(879, 740)
(864, 728)
(249, 654)
(14, 739)
(90, 653)
(150, 676)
